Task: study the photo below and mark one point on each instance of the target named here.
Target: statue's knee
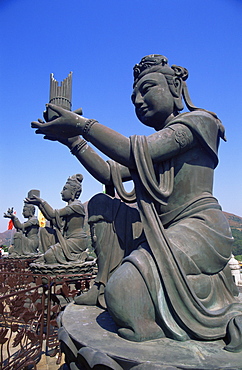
(102, 205)
(42, 231)
(49, 256)
(121, 284)
(17, 235)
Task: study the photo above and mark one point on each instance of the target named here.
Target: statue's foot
(40, 259)
(90, 258)
(142, 332)
(14, 255)
(89, 298)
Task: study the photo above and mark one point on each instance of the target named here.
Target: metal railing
(21, 328)
(29, 307)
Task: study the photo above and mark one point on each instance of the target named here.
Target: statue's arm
(70, 124)
(26, 224)
(66, 211)
(94, 164)
(162, 145)
(45, 208)
(170, 141)
(17, 224)
(113, 144)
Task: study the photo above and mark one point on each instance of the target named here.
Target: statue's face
(26, 212)
(66, 193)
(153, 100)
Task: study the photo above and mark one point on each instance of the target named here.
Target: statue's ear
(177, 87)
(176, 90)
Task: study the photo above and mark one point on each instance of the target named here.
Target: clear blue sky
(100, 41)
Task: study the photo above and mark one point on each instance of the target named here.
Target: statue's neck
(170, 118)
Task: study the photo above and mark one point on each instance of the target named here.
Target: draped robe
(65, 248)
(186, 264)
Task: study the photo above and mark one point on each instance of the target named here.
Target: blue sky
(100, 41)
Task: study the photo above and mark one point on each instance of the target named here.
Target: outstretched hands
(67, 125)
(33, 200)
(9, 213)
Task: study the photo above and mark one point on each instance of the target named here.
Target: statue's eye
(146, 88)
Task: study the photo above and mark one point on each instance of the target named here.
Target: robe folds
(27, 241)
(66, 248)
(185, 266)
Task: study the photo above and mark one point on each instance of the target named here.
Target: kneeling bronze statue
(163, 269)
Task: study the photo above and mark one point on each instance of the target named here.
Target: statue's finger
(78, 111)
(51, 138)
(56, 108)
(39, 132)
(35, 124)
(42, 125)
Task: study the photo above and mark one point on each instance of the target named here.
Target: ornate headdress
(159, 63)
(75, 181)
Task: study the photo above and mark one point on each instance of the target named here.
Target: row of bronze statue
(163, 266)
(64, 241)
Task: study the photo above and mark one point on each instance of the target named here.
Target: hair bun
(79, 177)
(180, 72)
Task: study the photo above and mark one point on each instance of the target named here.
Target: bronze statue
(66, 242)
(163, 270)
(26, 240)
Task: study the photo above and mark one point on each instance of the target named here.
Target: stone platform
(90, 340)
(67, 269)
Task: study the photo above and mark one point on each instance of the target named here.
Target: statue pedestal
(89, 338)
(67, 269)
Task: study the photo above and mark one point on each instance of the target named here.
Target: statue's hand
(34, 200)
(69, 142)
(67, 125)
(45, 114)
(9, 213)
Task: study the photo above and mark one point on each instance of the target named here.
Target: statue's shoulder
(195, 118)
(204, 126)
(202, 123)
(77, 206)
(33, 221)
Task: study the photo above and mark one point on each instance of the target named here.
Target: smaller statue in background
(66, 242)
(26, 239)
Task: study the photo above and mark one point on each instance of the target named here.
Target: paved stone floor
(49, 363)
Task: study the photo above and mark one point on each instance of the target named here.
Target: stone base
(68, 269)
(22, 256)
(89, 340)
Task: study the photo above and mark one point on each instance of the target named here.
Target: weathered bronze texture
(163, 269)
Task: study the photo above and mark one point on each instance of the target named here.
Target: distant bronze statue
(67, 241)
(164, 268)
(26, 240)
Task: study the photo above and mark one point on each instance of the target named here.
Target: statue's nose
(138, 100)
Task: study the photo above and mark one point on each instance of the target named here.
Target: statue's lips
(143, 111)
